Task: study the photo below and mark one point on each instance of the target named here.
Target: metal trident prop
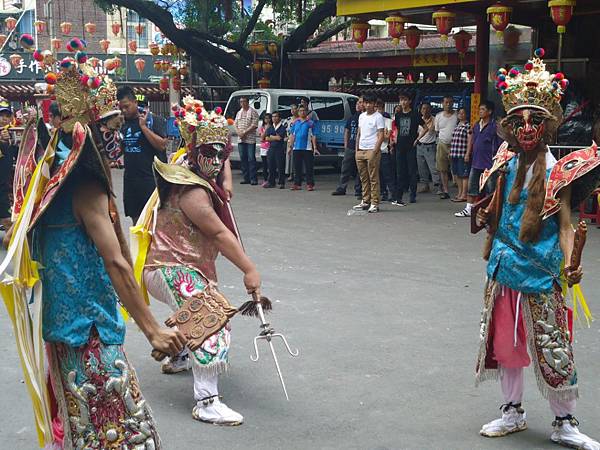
(267, 334)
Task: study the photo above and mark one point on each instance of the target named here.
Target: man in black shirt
(8, 153)
(143, 138)
(407, 123)
(349, 169)
(275, 135)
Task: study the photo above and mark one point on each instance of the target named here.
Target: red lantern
(183, 71)
(66, 28)
(90, 28)
(173, 71)
(395, 28)
(499, 17)
(461, 41)
(257, 65)
(253, 47)
(264, 83)
(267, 66)
(3, 38)
(561, 12)
(413, 38)
(164, 84)
(157, 65)
(11, 23)
(272, 47)
(165, 66)
(94, 62)
(140, 63)
(139, 29)
(132, 45)
(360, 31)
(260, 47)
(154, 49)
(177, 84)
(40, 26)
(104, 45)
(15, 60)
(443, 20)
(56, 43)
(116, 28)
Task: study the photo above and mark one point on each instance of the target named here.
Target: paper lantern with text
(462, 40)
(413, 38)
(139, 29)
(56, 44)
(11, 23)
(15, 60)
(561, 12)
(163, 84)
(94, 62)
(3, 38)
(104, 45)
(132, 46)
(443, 20)
(140, 64)
(395, 26)
(165, 66)
(116, 28)
(65, 28)
(257, 65)
(267, 66)
(40, 26)
(360, 32)
(154, 49)
(272, 47)
(264, 83)
(499, 17)
(157, 65)
(90, 28)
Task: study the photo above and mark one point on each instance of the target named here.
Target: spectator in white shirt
(369, 138)
(445, 123)
(426, 149)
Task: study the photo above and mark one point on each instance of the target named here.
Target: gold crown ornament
(198, 126)
(535, 87)
(83, 94)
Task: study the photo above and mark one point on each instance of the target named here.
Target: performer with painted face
(528, 251)
(192, 224)
(69, 276)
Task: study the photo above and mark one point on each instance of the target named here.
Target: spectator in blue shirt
(304, 145)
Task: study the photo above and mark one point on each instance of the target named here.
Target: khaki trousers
(367, 162)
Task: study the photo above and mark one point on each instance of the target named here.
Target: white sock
(468, 207)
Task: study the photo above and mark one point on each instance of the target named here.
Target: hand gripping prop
(267, 334)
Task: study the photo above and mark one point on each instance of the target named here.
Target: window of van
(257, 101)
(328, 108)
(284, 103)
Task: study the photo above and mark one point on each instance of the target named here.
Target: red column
(482, 55)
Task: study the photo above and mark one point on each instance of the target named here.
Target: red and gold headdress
(534, 88)
(198, 126)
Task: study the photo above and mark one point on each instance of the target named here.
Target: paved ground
(385, 310)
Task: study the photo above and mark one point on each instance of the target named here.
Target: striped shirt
(245, 120)
(458, 147)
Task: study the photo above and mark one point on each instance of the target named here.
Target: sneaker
(373, 209)
(310, 187)
(398, 203)
(295, 187)
(176, 364)
(444, 196)
(513, 420)
(567, 434)
(361, 206)
(338, 192)
(212, 410)
(463, 213)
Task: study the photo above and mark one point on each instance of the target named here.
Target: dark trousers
(349, 170)
(407, 173)
(276, 161)
(265, 167)
(304, 160)
(387, 175)
(248, 161)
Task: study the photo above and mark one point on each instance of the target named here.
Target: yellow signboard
(475, 101)
(430, 60)
(356, 7)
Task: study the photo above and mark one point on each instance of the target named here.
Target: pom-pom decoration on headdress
(199, 126)
(535, 87)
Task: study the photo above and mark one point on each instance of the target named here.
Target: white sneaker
(176, 364)
(361, 206)
(464, 213)
(212, 410)
(513, 420)
(373, 209)
(567, 434)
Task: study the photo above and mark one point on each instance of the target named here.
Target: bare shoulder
(194, 198)
(89, 195)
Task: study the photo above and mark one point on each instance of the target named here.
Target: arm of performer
(196, 205)
(567, 236)
(90, 204)
(158, 142)
(228, 179)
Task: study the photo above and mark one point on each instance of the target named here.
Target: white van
(332, 108)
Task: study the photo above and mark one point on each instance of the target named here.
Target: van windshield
(257, 101)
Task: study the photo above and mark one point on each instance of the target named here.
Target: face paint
(210, 159)
(528, 127)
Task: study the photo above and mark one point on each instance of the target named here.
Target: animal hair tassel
(249, 308)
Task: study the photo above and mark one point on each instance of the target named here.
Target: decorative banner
(475, 102)
(440, 59)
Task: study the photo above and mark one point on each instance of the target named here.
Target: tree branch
(298, 38)
(329, 33)
(251, 23)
